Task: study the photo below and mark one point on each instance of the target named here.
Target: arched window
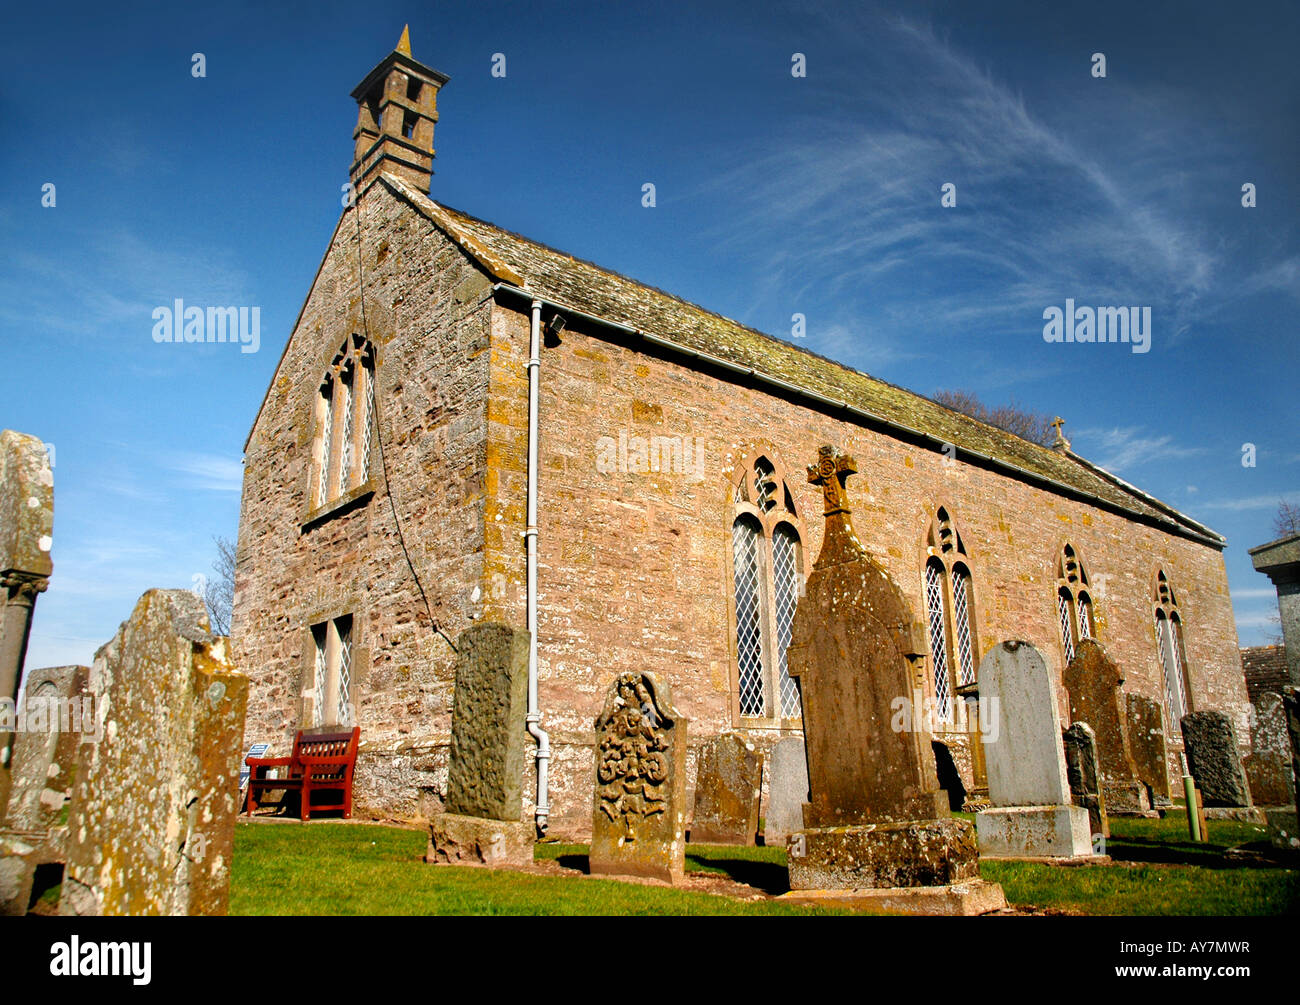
(1169, 642)
(345, 423)
(1073, 602)
(948, 606)
(766, 579)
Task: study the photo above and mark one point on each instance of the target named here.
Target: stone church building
(455, 398)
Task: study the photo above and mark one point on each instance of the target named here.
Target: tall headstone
(1283, 824)
(54, 718)
(639, 817)
(1095, 685)
(154, 802)
(1214, 759)
(484, 803)
(1146, 733)
(1032, 815)
(728, 788)
(876, 819)
(26, 529)
(787, 790)
(1084, 775)
(1268, 765)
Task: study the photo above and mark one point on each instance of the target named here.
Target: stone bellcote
(397, 106)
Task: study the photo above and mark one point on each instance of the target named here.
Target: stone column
(1280, 561)
(26, 526)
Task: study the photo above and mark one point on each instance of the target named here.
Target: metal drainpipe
(534, 717)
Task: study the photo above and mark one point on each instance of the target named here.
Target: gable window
(1073, 602)
(345, 423)
(1173, 663)
(766, 561)
(331, 690)
(948, 604)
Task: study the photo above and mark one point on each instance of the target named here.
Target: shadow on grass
(770, 877)
(579, 862)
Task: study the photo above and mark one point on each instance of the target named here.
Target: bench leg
(305, 809)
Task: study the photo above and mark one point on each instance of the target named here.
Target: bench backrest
(340, 748)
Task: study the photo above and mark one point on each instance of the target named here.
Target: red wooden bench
(320, 763)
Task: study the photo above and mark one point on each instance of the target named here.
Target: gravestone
(1291, 708)
(153, 805)
(1146, 733)
(787, 790)
(53, 720)
(1032, 815)
(876, 820)
(728, 787)
(1268, 765)
(484, 803)
(1095, 685)
(26, 529)
(1214, 760)
(1084, 776)
(639, 817)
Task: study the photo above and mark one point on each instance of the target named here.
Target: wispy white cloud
(210, 472)
(1117, 449)
(1240, 503)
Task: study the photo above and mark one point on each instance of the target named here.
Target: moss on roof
(554, 275)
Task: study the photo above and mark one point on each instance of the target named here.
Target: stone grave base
(1245, 814)
(916, 853)
(1034, 832)
(20, 853)
(459, 840)
(1283, 827)
(1127, 799)
(972, 897)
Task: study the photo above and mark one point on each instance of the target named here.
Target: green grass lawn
(329, 868)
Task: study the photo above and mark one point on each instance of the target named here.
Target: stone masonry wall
(634, 568)
(427, 312)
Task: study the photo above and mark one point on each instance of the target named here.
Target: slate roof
(555, 276)
(1265, 669)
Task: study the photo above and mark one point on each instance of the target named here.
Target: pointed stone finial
(1060, 443)
(404, 43)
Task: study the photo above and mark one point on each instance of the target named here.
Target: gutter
(834, 404)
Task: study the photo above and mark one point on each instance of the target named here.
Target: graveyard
(815, 646)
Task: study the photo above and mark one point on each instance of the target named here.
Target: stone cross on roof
(830, 472)
(1060, 443)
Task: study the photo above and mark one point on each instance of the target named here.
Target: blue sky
(775, 195)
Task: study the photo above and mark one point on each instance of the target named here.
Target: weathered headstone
(1084, 776)
(53, 719)
(1146, 734)
(26, 529)
(1095, 685)
(639, 817)
(1032, 815)
(154, 802)
(787, 790)
(1291, 707)
(876, 819)
(482, 825)
(728, 787)
(1268, 765)
(1214, 760)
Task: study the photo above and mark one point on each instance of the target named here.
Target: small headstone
(154, 801)
(876, 818)
(1084, 777)
(639, 817)
(1268, 765)
(54, 719)
(1146, 733)
(1214, 759)
(787, 790)
(1095, 685)
(728, 787)
(1032, 815)
(481, 824)
(1291, 706)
